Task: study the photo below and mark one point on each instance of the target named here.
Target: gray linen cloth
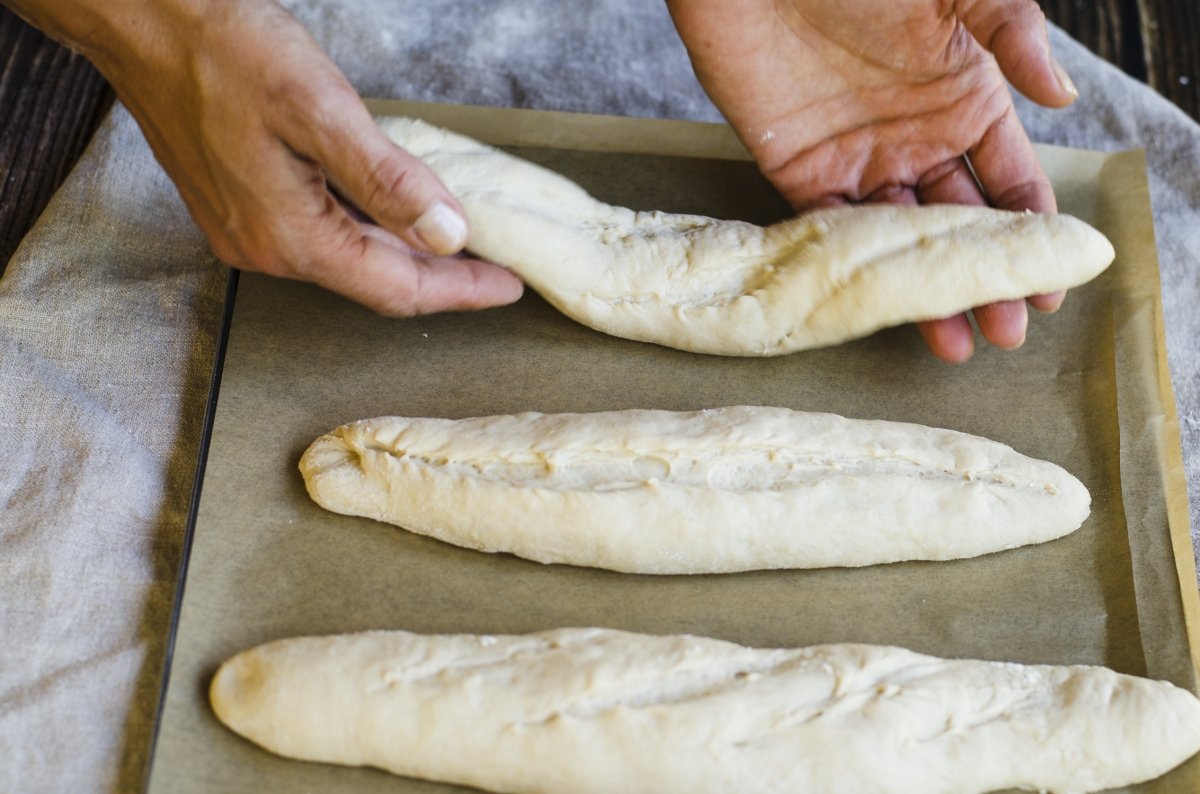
(110, 309)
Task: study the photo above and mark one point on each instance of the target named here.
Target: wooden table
(51, 100)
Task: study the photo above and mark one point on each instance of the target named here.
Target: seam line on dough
(783, 471)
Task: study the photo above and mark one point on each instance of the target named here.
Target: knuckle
(315, 102)
(329, 107)
(335, 100)
(253, 252)
(390, 184)
(1032, 9)
(289, 94)
(1025, 196)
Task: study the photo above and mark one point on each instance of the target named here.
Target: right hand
(254, 123)
(887, 100)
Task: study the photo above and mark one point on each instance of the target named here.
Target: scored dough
(733, 288)
(597, 711)
(715, 491)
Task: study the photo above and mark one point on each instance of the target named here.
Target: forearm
(67, 21)
(113, 33)
(252, 121)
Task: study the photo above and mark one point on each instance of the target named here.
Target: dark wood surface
(50, 103)
(1156, 41)
(51, 99)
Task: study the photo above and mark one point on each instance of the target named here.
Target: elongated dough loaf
(597, 711)
(715, 491)
(733, 288)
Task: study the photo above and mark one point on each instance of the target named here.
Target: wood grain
(1170, 30)
(1102, 26)
(50, 101)
(1156, 41)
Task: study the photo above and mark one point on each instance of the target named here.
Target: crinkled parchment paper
(1089, 391)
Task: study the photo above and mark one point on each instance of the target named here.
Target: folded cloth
(109, 313)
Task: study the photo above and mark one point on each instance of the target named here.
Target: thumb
(395, 189)
(1014, 32)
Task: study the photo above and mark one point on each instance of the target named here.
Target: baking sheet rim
(560, 129)
(555, 129)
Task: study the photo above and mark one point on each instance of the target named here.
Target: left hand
(887, 100)
(256, 126)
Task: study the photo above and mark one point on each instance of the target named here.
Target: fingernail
(442, 229)
(1064, 79)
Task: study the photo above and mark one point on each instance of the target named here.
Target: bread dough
(733, 288)
(715, 491)
(596, 711)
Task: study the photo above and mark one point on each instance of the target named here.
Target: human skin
(264, 137)
(269, 145)
(887, 100)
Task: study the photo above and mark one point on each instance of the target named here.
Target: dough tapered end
(716, 491)
(601, 711)
(727, 287)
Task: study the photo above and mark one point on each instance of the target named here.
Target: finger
(384, 236)
(395, 189)
(1004, 323)
(1008, 168)
(1014, 31)
(950, 339)
(950, 183)
(1050, 302)
(371, 268)
(292, 226)
(904, 195)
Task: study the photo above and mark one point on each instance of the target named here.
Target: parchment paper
(1088, 391)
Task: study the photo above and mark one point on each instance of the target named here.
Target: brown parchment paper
(1088, 391)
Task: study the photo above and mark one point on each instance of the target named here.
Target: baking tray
(1088, 390)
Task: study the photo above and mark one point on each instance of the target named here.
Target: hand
(887, 100)
(254, 123)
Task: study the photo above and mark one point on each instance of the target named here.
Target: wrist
(109, 32)
(75, 23)
(60, 21)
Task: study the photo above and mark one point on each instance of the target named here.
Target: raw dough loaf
(733, 288)
(715, 491)
(596, 711)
